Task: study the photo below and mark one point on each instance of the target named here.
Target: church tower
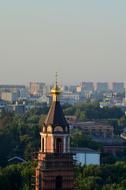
(55, 169)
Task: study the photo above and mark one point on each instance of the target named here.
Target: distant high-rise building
(23, 93)
(85, 87)
(118, 87)
(9, 96)
(70, 88)
(88, 86)
(13, 92)
(102, 87)
(11, 88)
(70, 98)
(36, 88)
(79, 88)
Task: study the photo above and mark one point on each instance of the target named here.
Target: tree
(112, 187)
(16, 177)
(105, 177)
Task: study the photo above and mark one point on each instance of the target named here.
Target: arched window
(43, 145)
(58, 129)
(59, 145)
(58, 183)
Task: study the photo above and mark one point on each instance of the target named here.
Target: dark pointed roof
(55, 116)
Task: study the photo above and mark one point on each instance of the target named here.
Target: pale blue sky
(81, 39)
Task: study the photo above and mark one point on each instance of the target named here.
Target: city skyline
(82, 41)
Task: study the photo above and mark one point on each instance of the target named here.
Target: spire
(56, 77)
(55, 116)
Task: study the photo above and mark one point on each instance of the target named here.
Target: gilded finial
(56, 89)
(56, 78)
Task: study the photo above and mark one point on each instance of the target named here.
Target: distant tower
(55, 169)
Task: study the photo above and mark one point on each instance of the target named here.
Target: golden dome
(56, 90)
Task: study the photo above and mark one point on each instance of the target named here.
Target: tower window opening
(59, 145)
(59, 182)
(43, 144)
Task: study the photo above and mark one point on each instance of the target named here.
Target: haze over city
(81, 40)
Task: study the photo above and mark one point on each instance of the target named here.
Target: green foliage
(112, 187)
(89, 183)
(104, 177)
(78, 139)
(91, 110)
(19, 136)
(16, 177)
(122, 121)
(107, 158)
(42, 119)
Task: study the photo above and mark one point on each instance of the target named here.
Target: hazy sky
(80, 39)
